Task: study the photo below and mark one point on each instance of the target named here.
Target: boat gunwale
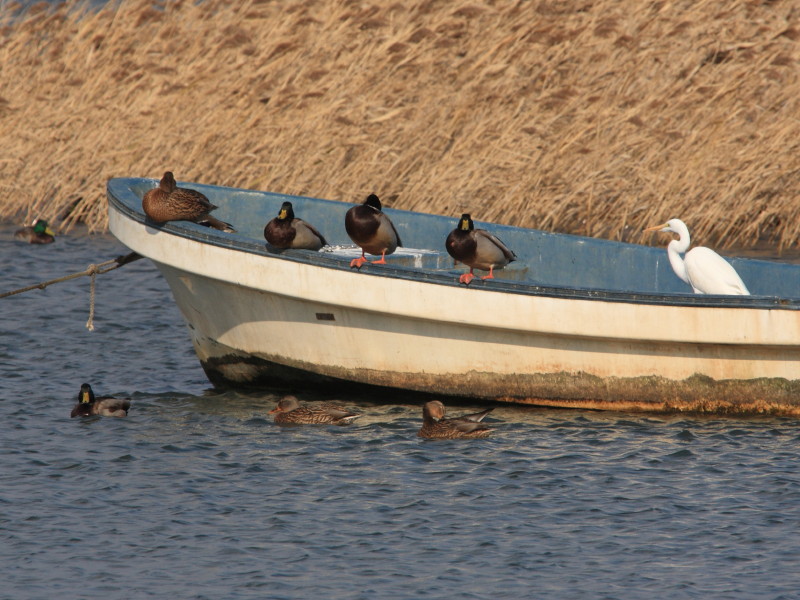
(201, 234)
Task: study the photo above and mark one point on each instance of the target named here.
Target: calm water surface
(197, 494)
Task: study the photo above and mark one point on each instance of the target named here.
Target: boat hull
(264, 338)
(260, 319)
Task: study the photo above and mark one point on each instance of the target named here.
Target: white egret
(702, 268)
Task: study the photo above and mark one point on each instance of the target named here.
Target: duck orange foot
(358, 262)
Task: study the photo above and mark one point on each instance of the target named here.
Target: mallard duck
(36, 233)
(478, 249)
(370, 228)
(438, 412)
(168, 202)
(289, 411)
(286, 231)
(702, 268)
(106, 406)
(435, 426)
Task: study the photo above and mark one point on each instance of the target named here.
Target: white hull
(253, 317)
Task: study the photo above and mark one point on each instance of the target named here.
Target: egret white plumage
(702, 268)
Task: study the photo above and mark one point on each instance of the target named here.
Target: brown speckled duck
(478, 249)
(370, 228)
(436, 426)
(36, 233)
(168, 202)
(439, 411)
(289, 411)
(106, 406)
(286, 231)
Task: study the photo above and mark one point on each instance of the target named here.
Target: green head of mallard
(373, 201)
(286, 213)
(41, 227)
(465, 223)
(86, 395)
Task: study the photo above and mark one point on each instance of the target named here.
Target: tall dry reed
(592, 117)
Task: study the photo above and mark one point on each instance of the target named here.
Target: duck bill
(274, 410)
(49, 231)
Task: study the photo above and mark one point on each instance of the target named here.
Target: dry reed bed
(597, 118)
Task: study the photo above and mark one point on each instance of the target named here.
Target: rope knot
(92, 271)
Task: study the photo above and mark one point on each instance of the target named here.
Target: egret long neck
(674, 249)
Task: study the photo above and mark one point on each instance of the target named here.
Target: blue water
(197, 494)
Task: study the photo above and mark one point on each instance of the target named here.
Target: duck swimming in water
(478, 249)
(286, 231)
(168, 202)
(438, 412)
(370, 228)
(36, 233)
(289, 411)
(106, 406)
(436, 426)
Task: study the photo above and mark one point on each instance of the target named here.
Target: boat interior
(546, 262)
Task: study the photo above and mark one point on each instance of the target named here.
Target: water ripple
(197, 494)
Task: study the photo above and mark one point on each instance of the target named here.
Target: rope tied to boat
(93, 270)
(93, 274)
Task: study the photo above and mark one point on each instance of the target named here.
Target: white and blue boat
(573, 322)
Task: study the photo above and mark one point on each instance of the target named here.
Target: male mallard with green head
(436, 426)
(289, 411)
(168, 202)
(370, 228)
(36, 233)
(287, 231)
(478, 249)
(106, 406)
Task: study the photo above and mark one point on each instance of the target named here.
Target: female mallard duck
(438, 412)
(168, 202)
(290, 412)
(36, 233)
(478, 249)
(106, 406)
(435, 426)
(286, 231)
(370, 228)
